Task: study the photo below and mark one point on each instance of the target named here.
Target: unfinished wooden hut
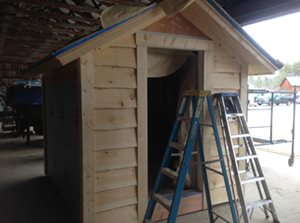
(110, 100)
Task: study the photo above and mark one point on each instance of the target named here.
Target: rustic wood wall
(223, 74)
(112, 177)
(62, 136)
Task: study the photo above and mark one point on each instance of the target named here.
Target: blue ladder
(194, 100)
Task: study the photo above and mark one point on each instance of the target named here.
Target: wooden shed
(110, 99)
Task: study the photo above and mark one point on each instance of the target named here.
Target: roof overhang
(218, 25)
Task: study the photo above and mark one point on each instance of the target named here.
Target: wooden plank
(104, 40)
(142, 130)
(229, 81)
(115, 98)
(114, 179)
(114, 139)
(115, 77)
(115, 56)
(116, 198)
(190, 202)
(216, 27)
(108, 119)
(119, 215)
(176, 24)
(226, 64)
(55, 5)
(128, 41)
(115, 159)
(87, 113)
(162, 40)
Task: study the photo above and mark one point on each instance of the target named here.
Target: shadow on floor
(32, 201)
(26, 195)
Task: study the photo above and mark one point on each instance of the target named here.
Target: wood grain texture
(171, 41)
(115, 98)
(128, 41)
(113, 139)
(87, 112)
(116, 56)
(176, 25)
(108, 119)
(114, 179)
(115, 77)
(115, 198)
(115, 159)
(142, 130)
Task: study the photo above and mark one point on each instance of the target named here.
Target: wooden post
(142, 128)
(88, 160)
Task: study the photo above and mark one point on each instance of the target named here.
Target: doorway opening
(170, 73)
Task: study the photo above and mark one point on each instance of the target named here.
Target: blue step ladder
(231, 114)
(194, 100)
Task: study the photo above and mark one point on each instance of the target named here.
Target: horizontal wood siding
(223, 76)
(115, 136)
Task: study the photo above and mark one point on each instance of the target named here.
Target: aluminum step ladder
(231, 114)
(195, 101)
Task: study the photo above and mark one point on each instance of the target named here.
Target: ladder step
(206, 124)
(169, 173)
(162, 201)
(247, 157)
(239, 146)
(259, 204)
(252, 180)
(211, 161)
(181, 154)
(235, 115)
(177, 146)
(240, 136)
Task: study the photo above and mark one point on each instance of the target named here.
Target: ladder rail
(257, 163)
(230, 102)
(221, 157)
(194, 133)
(185, 162)
(166, 158)
(233, 161)
(228, 159)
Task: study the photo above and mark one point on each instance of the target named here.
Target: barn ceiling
(32, 29)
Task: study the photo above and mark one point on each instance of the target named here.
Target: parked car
(277, 99)
(263, 99)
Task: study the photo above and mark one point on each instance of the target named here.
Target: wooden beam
(214, 25)
(126, 2)
(12, 10)
(142, 126)
(33, 35)
(17, 59)
(49, 24)
(250, 11)
(103, 40)
(52, 4)
(29, 26)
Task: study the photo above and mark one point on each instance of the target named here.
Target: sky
(280, 37)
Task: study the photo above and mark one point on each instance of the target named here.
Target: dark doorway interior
(163, 99)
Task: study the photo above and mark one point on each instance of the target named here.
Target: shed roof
(218, 25)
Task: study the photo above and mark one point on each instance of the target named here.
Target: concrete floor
(26, 194)
(284, 185)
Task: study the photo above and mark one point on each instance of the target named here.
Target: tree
(273, 83)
